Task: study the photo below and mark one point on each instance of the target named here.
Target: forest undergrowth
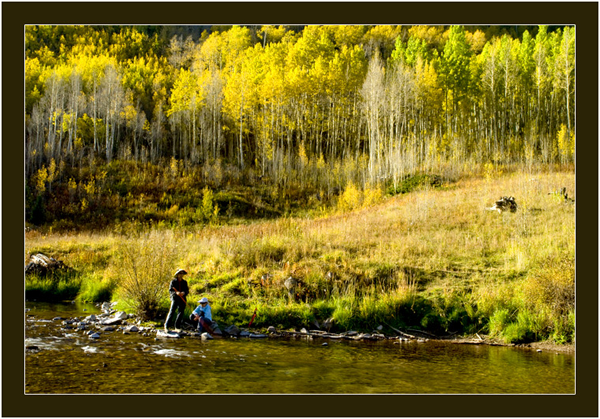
(431, 257)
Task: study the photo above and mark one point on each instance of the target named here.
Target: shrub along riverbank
(431, 259)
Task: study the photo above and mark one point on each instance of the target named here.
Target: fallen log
(401, 333)
(421, 332)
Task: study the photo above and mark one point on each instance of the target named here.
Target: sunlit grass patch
(434, 259)
(97, 288)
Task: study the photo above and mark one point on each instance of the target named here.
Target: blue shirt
(205, 310)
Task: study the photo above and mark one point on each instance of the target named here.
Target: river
(69, 362)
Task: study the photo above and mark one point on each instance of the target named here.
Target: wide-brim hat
(180, 271)
(203, 300)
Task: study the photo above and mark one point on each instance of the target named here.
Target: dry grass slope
(434, 259)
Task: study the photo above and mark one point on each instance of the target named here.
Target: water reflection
(70, 362)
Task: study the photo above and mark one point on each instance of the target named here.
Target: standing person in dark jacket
(178, 288)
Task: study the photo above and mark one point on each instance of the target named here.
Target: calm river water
(68, 362)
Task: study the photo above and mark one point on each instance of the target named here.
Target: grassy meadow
(432, 259)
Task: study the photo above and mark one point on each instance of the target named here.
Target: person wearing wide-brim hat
(203, 315)
(178, 290)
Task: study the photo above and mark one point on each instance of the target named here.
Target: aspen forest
(132, 116)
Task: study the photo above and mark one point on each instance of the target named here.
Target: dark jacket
(176, 285)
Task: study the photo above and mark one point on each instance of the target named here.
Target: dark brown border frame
(583, 14)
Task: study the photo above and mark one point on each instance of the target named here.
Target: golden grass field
(436, 251)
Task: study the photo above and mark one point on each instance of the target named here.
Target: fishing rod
(252, 319)
(206, 326)
(180, 296)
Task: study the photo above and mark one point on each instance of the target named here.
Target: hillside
(432, 259)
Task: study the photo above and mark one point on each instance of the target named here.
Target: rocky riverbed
(110, 321)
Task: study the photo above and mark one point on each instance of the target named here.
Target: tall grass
(96, 288)
(52, 288)
(433, 258)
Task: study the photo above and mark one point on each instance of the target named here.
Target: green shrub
(209, 210)
(145, 267)
(550, 290)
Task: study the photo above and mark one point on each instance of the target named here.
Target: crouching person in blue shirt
(203, 315)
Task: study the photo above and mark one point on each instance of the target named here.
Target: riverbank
(109, 324)
(545, 346)
(433, 260)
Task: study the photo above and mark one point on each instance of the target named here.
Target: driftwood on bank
(401, 333)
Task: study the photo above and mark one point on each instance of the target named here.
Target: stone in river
(162, 334)
(233, 330)
(112, 320)
(121, 315)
